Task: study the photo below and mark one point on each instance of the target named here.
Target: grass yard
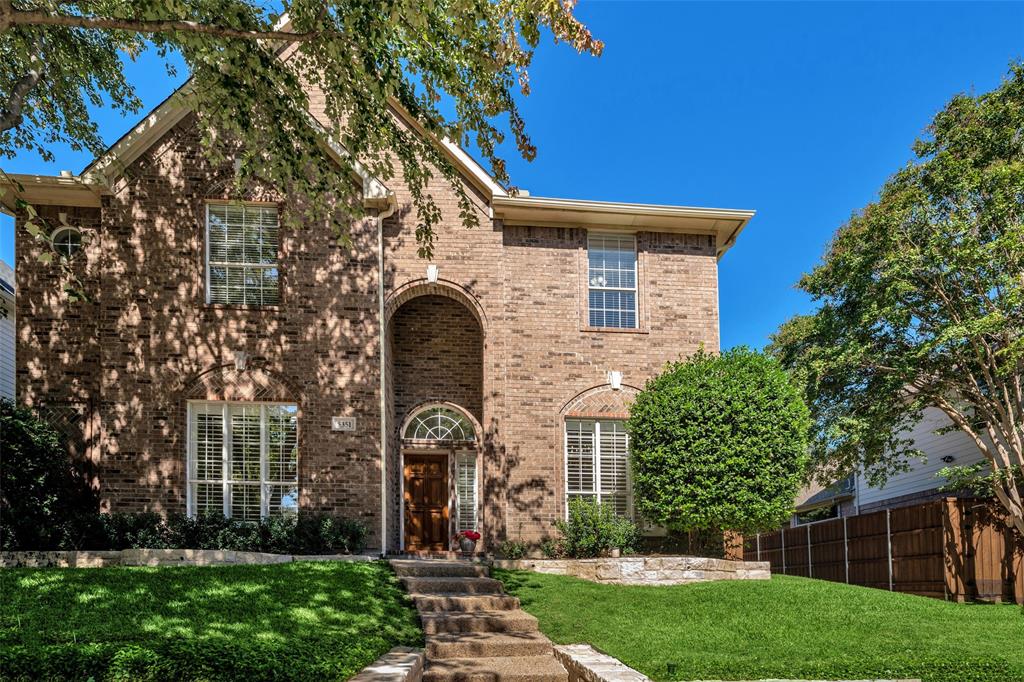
(297, 621)
(787, 627)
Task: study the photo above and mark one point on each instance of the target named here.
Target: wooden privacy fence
(953, 548)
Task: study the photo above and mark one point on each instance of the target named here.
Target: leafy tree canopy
(922, 303)
(466, 56)
(718, 442)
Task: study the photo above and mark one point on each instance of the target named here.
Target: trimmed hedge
(302, 534)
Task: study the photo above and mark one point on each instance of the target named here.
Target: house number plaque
(343, 423)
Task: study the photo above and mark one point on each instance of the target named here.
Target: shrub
(593, 529)
(512, 549)
(718, 441)
(41, 491)
(551, 549)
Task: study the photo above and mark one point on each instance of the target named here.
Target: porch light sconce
(432, 273)
(241, 358)
(949, 459)
(615, 379)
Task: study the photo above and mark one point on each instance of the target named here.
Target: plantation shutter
(243, 459)
(614, 453)
(465, 491)
(579, 458)
(245, 462)
(242, 246)
(207, 466)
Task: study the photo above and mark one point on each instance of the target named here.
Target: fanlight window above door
(440, 424)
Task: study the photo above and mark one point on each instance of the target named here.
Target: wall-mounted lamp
(432, 272)
(949, 459)
(241, 358)
(615, 379)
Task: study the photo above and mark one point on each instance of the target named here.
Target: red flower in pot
(467, 541)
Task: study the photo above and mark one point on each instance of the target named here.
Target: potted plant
(467, 541)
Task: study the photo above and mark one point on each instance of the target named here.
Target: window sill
(616, 330)
(242, 306)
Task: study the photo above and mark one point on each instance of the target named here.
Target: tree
(41, 489)
(718, 442)
(921, 304)
(468, 56)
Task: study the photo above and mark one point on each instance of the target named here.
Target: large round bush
(718, 442)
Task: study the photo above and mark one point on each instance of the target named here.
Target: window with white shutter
(611, 274)
(597, 462)
(242, 254)
(465, 491)
(243, 459)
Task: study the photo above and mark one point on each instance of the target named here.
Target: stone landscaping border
(645, 570)
(160, 557)
(401, 664)
(584, 663)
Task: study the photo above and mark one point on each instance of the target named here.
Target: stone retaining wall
(160, 557)
(645, 570)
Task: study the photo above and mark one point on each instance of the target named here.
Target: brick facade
(502, 333)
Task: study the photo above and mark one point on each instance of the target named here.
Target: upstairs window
(243, 459)
(597, 463)
(241, 254)
(612, 280)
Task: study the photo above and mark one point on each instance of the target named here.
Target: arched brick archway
(601, 402)
(256, 383)
(421, 287)
(435, 352)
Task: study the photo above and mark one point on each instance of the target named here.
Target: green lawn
(297, 621)
(786, 627)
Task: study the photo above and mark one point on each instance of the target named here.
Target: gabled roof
(105, 170)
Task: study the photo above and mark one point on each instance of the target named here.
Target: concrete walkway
(475, 632)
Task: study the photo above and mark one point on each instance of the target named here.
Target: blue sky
(799, 111)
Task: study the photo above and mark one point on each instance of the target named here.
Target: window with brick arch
(242, 254)
(243, 459)
(597, 463)
(611, 280)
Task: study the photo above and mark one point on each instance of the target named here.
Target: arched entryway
(440, 476)
(435, 381)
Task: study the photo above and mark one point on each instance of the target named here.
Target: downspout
(381, 330)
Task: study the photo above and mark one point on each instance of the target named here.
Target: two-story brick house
(225, 362)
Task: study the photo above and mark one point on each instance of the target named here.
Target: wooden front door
(426, 502)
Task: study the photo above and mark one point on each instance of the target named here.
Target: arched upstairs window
(440, 424)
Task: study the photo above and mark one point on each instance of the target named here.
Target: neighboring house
(223, 362)
(8, 313)
(854, 495)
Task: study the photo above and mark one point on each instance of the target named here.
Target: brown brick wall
(135, 352)
(437, 356)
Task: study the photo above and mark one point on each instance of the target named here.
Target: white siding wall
(7, 346)
(922, 476)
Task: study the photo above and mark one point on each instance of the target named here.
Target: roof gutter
(384, 214)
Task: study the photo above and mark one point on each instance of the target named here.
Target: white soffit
(724, 223)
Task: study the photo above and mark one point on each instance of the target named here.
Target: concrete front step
(498, 669)
(479, 621)
(434, 603)
(438, 569)
(416, 585)
(487, 645)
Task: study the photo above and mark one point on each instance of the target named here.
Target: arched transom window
(439, 423)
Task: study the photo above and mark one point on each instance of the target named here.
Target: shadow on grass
(291, 621)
